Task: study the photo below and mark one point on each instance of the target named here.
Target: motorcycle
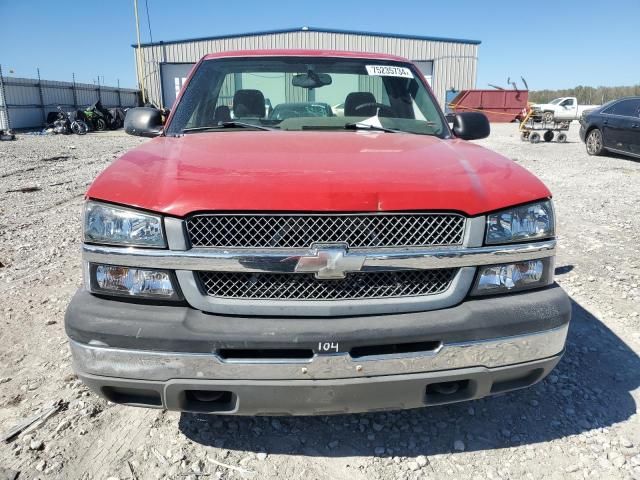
(99, 117)
(118, 115)
(67, 122)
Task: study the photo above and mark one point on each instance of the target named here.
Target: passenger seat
(354, 100)
(222, 113)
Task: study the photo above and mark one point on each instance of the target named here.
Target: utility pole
(4, 109)
(75, 94)
(41, 95)
(140, 67)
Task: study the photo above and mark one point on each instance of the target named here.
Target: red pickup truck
(315, 262)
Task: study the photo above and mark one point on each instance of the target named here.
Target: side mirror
(471, 125)
(143, 122)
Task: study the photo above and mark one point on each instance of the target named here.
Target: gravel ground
(581, 422)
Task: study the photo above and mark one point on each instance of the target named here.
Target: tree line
(585, 95)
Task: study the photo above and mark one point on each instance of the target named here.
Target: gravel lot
(581, 422)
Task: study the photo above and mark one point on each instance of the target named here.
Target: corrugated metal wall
(28, 100)
(455, 64)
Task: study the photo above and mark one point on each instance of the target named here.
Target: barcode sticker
(388, 71)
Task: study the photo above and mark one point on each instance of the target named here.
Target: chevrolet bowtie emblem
(330, 263)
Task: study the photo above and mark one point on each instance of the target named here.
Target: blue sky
(553, 44)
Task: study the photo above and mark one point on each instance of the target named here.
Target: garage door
(426, 67)
(173, 76)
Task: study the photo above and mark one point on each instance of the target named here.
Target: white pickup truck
(563, 109)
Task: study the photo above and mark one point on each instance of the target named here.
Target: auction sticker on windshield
(389, 71)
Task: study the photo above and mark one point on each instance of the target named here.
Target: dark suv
(615, 127)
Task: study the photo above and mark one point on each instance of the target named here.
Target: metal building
(448, 63)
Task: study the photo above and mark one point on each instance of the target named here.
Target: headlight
(132, 282)
(513, 277)
(527, 222)
(114, 225)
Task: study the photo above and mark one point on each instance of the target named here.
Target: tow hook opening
(445, 388)
(208, 401)
(206, 395)
(452, 391)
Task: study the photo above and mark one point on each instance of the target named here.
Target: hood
(314, 171)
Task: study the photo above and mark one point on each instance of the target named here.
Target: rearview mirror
(311, 80)
(143, 122)
(471, 125)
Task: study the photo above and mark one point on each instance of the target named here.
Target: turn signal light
(132, 282)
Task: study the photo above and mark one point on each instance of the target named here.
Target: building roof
(289, 52)
(320, 30)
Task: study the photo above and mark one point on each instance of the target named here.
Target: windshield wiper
(223, 125)
(367, 126)
(371, 123)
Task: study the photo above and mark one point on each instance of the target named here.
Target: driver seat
(354, 100)
(248, 104)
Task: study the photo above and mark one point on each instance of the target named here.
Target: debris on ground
(7, 135)
(8, 474)
(31, 423)
(229, 467)
(57, 158)
(33, 188)
(159, 456)
(133, 473)
(57, 184)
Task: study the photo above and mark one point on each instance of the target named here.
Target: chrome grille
(302, 230)
(298, 286)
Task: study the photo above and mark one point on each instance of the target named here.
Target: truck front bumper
(139, 355)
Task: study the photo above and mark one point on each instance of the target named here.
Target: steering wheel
(383, 108)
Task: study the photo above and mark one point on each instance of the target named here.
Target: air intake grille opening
(303, 230)
(265, 353)
(132, 396)
(298, 286)
(394, 349)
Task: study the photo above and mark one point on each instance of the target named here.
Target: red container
(497, 105)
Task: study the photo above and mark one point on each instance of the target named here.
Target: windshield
(306, 93)
(555, 100)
